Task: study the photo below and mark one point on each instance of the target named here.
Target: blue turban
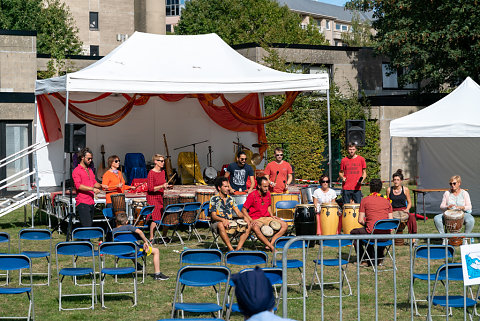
(254, 292)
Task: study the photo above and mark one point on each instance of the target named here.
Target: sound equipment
(355, 132)
(75, 137)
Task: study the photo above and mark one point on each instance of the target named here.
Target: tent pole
(262, 104)
(391, 160)
(329, 139)
(65, 154)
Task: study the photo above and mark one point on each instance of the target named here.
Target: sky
(335, 2)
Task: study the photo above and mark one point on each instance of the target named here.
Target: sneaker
(160, 276)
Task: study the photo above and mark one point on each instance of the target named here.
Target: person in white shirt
(324, 194)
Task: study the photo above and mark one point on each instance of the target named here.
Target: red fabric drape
(51, 128)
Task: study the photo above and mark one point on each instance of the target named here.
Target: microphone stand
(194, 157)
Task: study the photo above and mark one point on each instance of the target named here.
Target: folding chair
(5, 238)
(13, 262)
(108, 215)
(189, 218)
(143, 215)
(201, 256)
(339, 262)
(116, 249)
(201, 276)
(86, 234)
(73, 249)
(37, 236)
(292, 263)
(450, 273)
(170, 218)
(246, 258)
(204, 216)
(434, 252)
(381, 226)
(126, 236)
(286, 205)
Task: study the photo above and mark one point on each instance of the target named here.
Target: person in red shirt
(86, 186)
(353, 171)
(279, 173)
(372, 208)
(258, 209)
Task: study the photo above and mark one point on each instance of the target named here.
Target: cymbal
(256, 159)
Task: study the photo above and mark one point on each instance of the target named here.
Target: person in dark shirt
(238, 173)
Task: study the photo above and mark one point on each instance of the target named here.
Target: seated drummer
(455, 198)
(222, 207)
(372, 208)
(258, 205)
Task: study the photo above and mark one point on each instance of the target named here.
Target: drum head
(351, 206)
(267, 230)
(241, 222)
(453, 214)
(275, 225)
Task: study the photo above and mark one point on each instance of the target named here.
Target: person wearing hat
(255, 297)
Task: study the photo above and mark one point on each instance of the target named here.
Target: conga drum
(232, 227)
(204, 195)
(118, 203)
(266, 230)
(453, 224)
(403, 217)
(305, 219)
(350, 217)
(241, 226)
(329, 218)
(169, 199)
(186, 198)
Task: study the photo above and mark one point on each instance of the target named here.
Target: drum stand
(194, 157)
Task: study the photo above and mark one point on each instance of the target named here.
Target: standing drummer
(222, 207)
(279, 173)
(353, 171)
(258, 209)
(238, 173)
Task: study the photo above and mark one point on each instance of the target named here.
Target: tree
(245, 21)
(437, 41)
(57, 34)
(360, 34)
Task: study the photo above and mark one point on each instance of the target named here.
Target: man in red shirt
(372, 208)
(258, 205)
(353, 171)
(86, 186)
(279, 173)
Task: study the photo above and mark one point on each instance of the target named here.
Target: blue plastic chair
(15, 262)
(189, 218)
(108, 215)
(455, 273)
(206, 218)
(135, 166)
(201, 257)
(382, 226)
(126, 236)
(72, 249)
(435, 252)
(286, 205)
(246, 258)
(37, 236)
(117, 249)
(339, 263)
(5, 238)
(170, 218)
(201, 276)
(144, 213)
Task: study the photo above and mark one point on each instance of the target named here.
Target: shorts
(265, 220)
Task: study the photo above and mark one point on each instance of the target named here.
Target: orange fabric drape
(51, 128)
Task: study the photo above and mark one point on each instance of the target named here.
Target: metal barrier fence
(425, 240)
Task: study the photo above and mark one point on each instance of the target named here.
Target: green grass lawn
(155, 297)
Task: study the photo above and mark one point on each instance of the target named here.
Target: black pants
(370, 248)
(85, 214)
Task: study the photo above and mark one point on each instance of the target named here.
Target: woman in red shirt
(157, 184)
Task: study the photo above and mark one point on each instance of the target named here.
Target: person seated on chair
(258, 209)
(372, 208)
(255, 297)
(122, 225)
(238, 173)
(222, 207)
(455, 198)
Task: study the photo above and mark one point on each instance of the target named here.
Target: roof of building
(323, 9)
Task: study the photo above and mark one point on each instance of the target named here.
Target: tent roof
(171, 64)
(456, 115)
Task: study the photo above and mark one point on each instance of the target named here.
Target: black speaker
(355, 132)
(75, 137)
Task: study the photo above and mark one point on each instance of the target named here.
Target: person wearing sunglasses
(157, 183)
(86, 186)
(113, 179)
(238, 173)
(323, 194)
(455, 198)
(279, 173)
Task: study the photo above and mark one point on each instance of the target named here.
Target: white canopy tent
(158, 64)
(449, 132)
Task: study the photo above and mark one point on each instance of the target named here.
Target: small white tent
(448, 132)
(158, 64)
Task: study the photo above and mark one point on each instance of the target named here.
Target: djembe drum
(118, 203)
(187, 198)
(137, 205)
(403, 217)
(453, 224)
(169, 199)
(204, 195)
(329, 218)
(350, 217)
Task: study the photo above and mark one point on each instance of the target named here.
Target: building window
(390, 79)
(344, 28)
(93, 20)
(169, 28)
(94, 50)
(174, 7)
(338, 26)
(327, 24)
